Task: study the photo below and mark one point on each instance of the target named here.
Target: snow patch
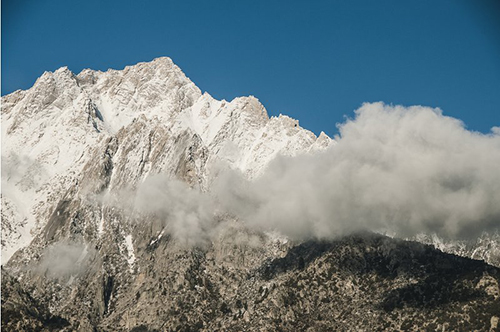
(100, 227)
(158, 238)
(130, 250)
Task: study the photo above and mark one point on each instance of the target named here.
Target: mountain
(77, 255)
(149, 116)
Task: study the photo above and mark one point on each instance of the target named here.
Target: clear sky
(316, 61)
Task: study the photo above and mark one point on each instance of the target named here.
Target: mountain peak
(156, 63)
(162, 60)
(60, 73)
(63, 69)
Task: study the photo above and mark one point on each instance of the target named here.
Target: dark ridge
(368, 252)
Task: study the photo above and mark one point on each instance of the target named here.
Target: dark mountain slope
(362, 282)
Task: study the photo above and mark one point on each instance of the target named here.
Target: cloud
(190, 215)
(64, 259)
(403, 170)
(395, 169)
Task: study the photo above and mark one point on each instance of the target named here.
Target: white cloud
(402, 170)
(405, 170)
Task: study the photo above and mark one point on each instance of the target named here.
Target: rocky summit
(78, 254)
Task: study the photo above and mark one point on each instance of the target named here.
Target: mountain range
(78, 254)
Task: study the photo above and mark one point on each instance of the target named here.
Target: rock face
(75, 258)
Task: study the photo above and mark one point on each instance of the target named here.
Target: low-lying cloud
(403, 170)
(64, 259)
(396, 169)
(189, 214)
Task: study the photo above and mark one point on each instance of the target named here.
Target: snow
(112, 122)
(100, 227)
(54, 125)
(131, 253)
(158, 238)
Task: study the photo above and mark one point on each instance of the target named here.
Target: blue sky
(316, 61)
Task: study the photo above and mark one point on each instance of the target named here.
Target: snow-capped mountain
(50, 131)
(74, 257)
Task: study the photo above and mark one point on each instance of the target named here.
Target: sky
(316, 61)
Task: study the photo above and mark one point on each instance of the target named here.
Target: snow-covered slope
(51, 131)
(46, 135)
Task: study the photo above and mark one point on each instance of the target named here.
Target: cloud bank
(395, 169)
(403, 170)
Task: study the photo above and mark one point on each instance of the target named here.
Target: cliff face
(77, 255)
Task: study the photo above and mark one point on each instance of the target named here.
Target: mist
(64, 259)
(188, 214)
(393, 169)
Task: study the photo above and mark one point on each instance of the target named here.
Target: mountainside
(77, 254)
(364, 282)
(151, 113)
